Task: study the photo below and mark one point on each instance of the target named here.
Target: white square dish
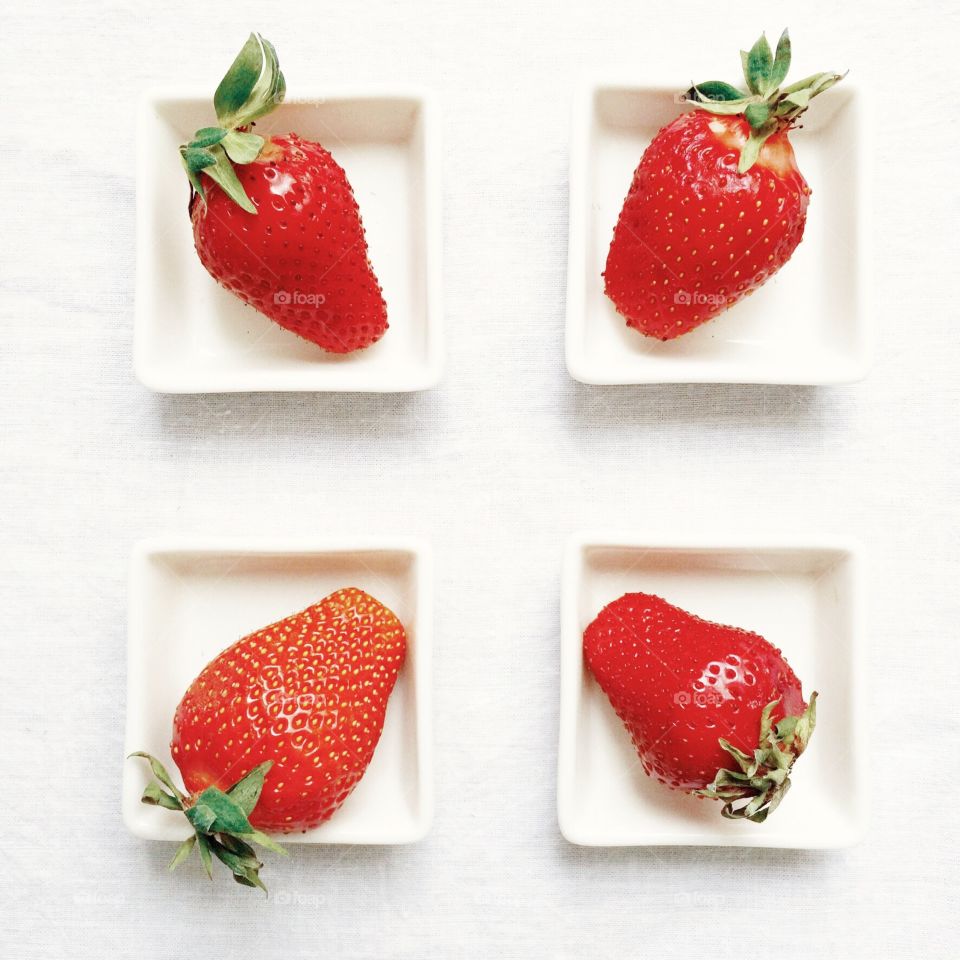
(190, 599)
(807, 599)
(808, 325)
(192, 336)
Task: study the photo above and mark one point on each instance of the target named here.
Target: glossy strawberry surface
(680, 683)
(301, 259)
(694, 235)
(309, 693)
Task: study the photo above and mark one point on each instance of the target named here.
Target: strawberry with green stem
(712, 710)
(275, 220)
(278, 729)
(717, 204)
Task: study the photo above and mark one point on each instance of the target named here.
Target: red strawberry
(304, 699)
(717, 205)
(693, 694)
(275, 221)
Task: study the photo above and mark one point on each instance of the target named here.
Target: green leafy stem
(220, 821)
(762, 778)
(766, 106)
(251, 88)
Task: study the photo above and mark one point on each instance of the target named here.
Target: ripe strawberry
(275, 220)
(717, 205)
(295, 710)
(693, 694)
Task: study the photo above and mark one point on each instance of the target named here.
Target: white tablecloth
(496, 468)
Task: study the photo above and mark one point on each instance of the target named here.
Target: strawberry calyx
(762, 779)
(250, 89)
(767, 107)
(219, 820)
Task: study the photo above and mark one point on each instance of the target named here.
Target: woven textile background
(496, 468)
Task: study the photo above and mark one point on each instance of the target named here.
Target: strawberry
(288, 716)
(717, 205)
(275, 220)
(692, 694)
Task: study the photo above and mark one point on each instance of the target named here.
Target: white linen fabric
(496, 468)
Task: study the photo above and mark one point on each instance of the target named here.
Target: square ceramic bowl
(804, 597)
(192, 336)
(192, 598)
(807, 325)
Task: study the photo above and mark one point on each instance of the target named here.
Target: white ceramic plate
(808, 325)
(191, 598)
(192, 336)
(807, 599)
